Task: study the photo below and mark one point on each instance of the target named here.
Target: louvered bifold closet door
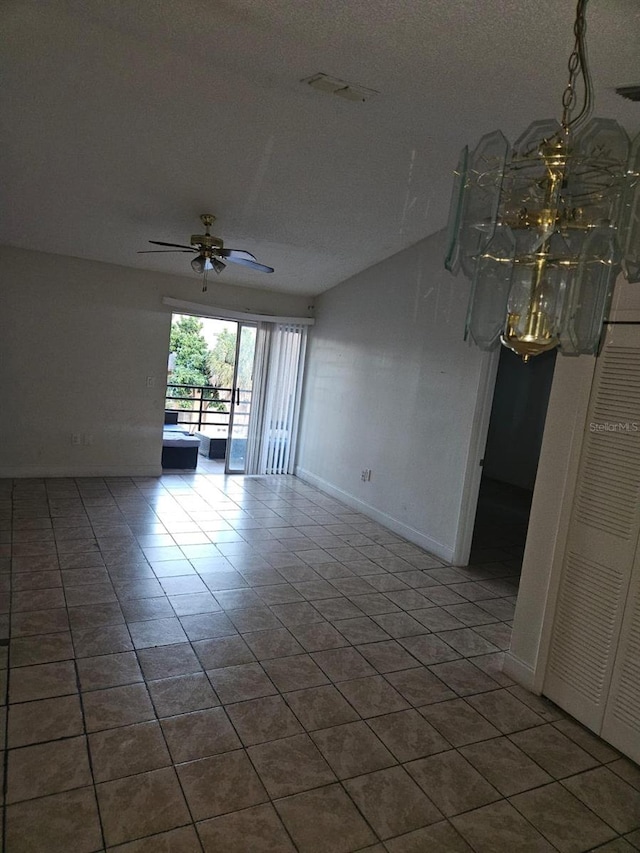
(602, 538)
(621, 725)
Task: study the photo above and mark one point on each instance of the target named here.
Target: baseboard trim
(521, 672)
(21, 472)
(417, 537)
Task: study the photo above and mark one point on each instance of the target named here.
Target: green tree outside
(192, 352)
(222, 358)
(213, 369)
(191, 358)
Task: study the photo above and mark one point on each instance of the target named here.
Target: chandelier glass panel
(543, 227)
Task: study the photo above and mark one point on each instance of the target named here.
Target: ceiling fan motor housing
(205, 241)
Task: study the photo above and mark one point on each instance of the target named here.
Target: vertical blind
(277, 382)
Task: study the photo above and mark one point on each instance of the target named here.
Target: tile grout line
(84, 725)
(254, 542)
(5, 780)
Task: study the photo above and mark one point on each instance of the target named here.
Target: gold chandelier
(543, 228)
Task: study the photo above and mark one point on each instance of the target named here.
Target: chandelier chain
(578, 68)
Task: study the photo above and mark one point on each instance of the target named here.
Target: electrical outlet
(87, 439)
(76, 439)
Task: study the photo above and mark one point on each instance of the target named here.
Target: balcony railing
(203, 408)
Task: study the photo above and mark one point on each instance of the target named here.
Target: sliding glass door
(244, 406)
(241, 400)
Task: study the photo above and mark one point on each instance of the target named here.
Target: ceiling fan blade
(247, 263)
(162, 251)
(237, 253)
(173, 245)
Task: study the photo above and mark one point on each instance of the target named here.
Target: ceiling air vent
(631, 93)
(341, 88)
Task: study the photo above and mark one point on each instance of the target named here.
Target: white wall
(391, 386)
(78, 340)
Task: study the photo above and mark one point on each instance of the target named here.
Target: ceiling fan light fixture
(199, 264)
(543, 227)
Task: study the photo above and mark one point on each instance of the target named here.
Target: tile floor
(244, 665)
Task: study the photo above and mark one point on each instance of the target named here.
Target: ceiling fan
(209, 251)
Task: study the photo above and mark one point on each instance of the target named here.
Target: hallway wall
(391, 386)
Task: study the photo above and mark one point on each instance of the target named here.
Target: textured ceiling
(123, 121)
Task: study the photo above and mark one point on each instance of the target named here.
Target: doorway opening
(209, 394)
(512, 452)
